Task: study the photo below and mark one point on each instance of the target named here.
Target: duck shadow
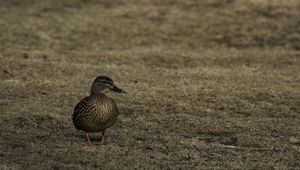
(81, 136)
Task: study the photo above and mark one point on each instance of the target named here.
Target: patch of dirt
(211, 84)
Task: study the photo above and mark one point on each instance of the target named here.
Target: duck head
(103, 84)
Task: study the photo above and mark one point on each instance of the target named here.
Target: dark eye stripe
(105, 79)
(106, 82)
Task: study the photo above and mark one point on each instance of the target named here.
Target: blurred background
(105, 25)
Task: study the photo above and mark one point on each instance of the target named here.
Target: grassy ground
(211, 84)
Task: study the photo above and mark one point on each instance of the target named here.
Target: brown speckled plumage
(97, 112)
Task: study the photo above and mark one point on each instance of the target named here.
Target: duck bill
(117, 89)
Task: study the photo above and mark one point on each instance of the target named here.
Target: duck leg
(102, 141)
(87, 138)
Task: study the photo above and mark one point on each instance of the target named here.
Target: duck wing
(81, 110)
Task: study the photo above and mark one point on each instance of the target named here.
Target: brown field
(212, 84)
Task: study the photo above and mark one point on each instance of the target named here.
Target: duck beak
(117, 89)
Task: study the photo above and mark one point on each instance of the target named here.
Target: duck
(97, 112)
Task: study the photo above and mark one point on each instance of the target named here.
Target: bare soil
(211, 84)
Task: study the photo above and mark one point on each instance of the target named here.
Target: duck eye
(107, 83)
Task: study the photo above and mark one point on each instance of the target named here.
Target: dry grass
(211, 84)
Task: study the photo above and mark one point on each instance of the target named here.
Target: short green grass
(211, 84)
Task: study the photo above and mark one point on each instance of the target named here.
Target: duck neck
(96, 94)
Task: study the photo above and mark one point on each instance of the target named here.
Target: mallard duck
(97, 112)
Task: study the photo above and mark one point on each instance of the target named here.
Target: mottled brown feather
(95, 113)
